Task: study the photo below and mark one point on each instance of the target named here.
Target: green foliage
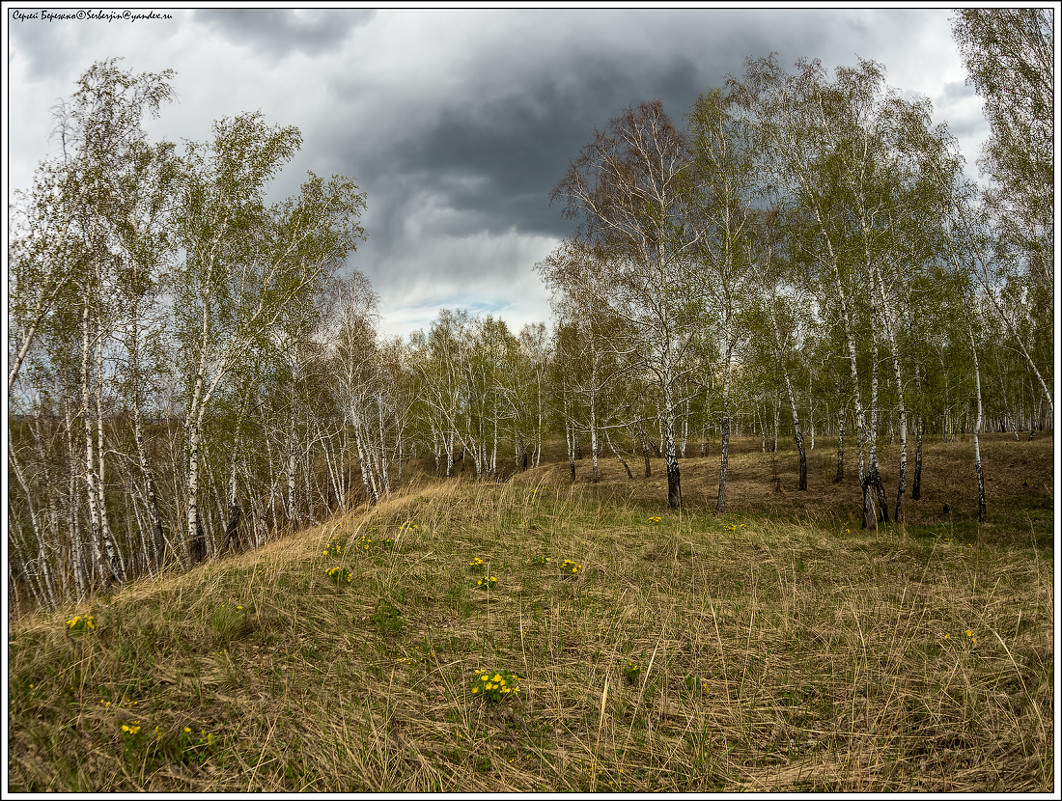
(494, 686)
(1009, 57)
(231, 622)
(695, 686)
(132, 738)
(386, 617)
(339, 576)
(632, 672)
(194, 748)
(487, 583)
(81, 624)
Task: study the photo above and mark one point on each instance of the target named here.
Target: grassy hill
(774, 647)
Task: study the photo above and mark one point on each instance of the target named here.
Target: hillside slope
(685, 652)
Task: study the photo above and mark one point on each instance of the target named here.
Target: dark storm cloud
(518, 146)
(514, 115)
(276, 33)
(495, 160)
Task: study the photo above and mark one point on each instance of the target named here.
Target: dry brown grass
(1019, 476)
(823, 651)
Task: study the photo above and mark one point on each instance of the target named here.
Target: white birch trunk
(982, 507)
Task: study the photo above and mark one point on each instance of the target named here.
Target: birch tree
(1009, 57)
(627, 190)
(245, 264)
(855, 156)
(726, 190)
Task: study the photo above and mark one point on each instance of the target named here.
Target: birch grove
(193, 370)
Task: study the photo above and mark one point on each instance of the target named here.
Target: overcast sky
(456, 123)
